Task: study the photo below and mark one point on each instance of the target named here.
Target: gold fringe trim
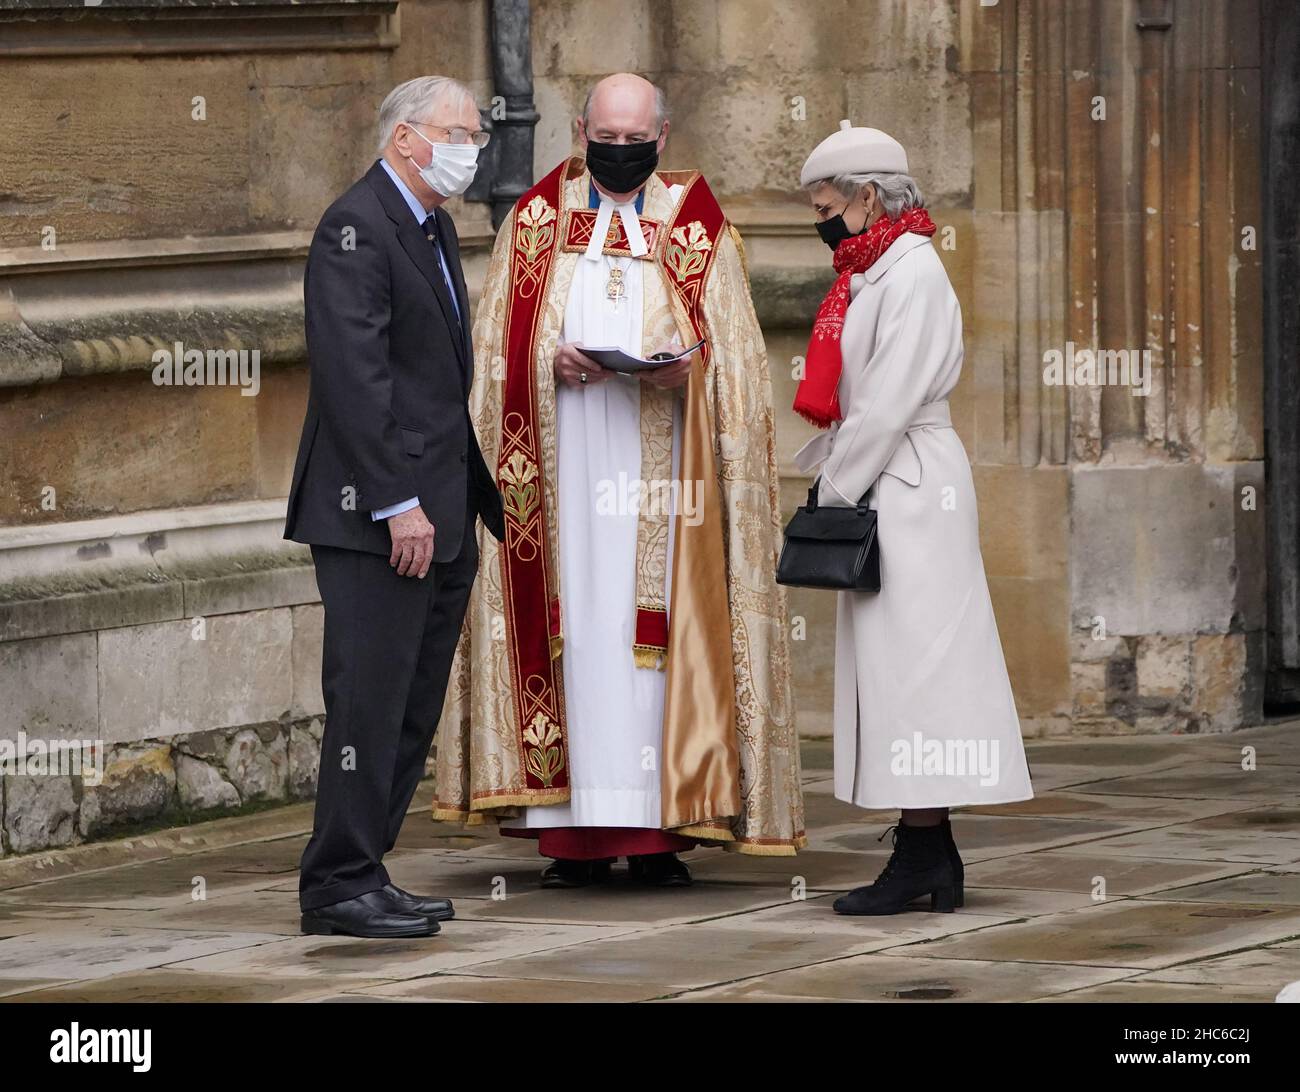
(726, 840)
(455, 815)
(649, 656)
(767, 849)
(441, 810)
(701, 830)
(557, 646)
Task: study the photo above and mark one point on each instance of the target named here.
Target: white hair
(661, 107)
(415, 100)
(897, 192)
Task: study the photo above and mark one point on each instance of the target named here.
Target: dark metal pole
(513, 120)
(1280, 241)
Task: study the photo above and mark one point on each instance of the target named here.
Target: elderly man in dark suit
(387, 485)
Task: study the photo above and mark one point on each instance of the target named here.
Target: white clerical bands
(631, 228)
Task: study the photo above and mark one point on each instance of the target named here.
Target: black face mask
(622, 168)
(834, 230)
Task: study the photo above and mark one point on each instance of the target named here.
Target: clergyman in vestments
(622, 683)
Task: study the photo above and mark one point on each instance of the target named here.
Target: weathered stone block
(157, 681)
(139, 783)
(49, 688)
(1153, 548)
(1164, 672)
(257, 762)
(200, 785)
(39, 812)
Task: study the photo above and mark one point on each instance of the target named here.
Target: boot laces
(892, 863)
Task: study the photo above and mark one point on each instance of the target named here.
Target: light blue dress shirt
(418, 211)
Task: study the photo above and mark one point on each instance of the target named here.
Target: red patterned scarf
(817, 398)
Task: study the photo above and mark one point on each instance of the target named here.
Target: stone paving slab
(1078, 870)
(99, 952)
(463, 987)
(465, 944)
(1134, 992)
(1134, 933)
(1270, 887)
(703, 955)
(1147, 810)
(885, 978)
(1271, 968)
(1205, 842)
(1207, 781)
(183, 987)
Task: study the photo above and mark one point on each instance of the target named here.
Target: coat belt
(817, 450)
(932, 415)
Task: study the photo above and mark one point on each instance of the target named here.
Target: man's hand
(412, 536)
(670, 375)
(571, 364)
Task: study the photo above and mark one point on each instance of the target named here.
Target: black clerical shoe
(437, 909)
(565, 873)
(659, 870)
(373, 914)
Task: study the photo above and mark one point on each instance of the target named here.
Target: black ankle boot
(958, 869)
(918, 866)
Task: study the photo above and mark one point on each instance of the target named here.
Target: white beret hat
(853, 150)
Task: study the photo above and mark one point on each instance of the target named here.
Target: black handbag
(830, 547)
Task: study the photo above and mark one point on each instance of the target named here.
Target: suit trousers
(386, 659)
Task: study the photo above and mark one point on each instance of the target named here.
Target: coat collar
(900, 246)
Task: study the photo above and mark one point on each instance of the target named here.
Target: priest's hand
(673, 375)
(412, 536)
(571, 365)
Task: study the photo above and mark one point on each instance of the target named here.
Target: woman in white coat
(924, 717)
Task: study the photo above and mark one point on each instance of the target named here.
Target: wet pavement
(1147, 869)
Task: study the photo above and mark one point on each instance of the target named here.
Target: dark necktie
(431, 233)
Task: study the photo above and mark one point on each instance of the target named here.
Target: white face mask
(452, 167)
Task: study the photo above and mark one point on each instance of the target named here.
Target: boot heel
(942, 900)
(959, 894)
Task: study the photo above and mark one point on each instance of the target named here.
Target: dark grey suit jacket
(387, 416)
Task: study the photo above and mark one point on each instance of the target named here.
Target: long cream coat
(924, 715)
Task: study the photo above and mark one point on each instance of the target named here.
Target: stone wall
(160, 185)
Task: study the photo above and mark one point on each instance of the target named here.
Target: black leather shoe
(437, 909)
(659, 870)
(370, 915)
(919, 866)
(566, 873)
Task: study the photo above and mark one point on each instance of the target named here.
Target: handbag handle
(812, 497)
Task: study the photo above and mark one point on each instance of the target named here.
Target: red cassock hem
(596, 843)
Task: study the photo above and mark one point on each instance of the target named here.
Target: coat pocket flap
(905, 463)
(412, 441)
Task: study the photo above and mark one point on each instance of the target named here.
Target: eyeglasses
(459, 135)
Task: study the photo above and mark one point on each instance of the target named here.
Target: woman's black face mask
(622, 168)
(834, 230)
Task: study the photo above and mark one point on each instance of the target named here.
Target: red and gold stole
(683, 250)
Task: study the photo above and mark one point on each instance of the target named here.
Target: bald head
(623, 108)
